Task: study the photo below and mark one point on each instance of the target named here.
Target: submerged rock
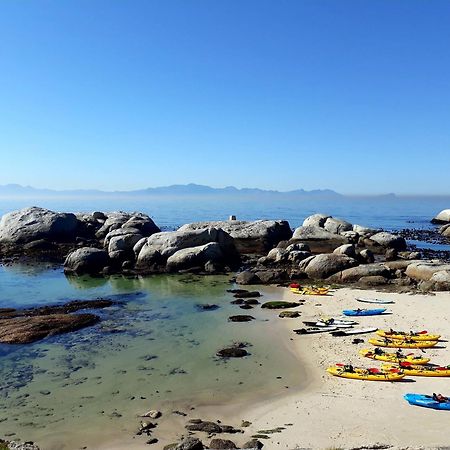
(289, 314)
(232, 352)
(23, 330)
(279, 305)
(240, 318)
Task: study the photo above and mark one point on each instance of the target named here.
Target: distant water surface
(390, 213)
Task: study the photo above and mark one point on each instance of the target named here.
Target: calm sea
(390, 213)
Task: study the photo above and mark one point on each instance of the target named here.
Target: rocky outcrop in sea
(263, 251)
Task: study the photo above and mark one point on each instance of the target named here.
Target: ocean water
(389, 212)
(156, 351)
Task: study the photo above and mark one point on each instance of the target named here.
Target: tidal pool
(155, 350)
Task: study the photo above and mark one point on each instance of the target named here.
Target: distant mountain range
(176, 190)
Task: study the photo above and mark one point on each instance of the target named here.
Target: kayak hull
(401, 344)
(419, 371)
(363, 312)
(375, 301)
(426, 401)
(364, 374)
(412, 337)
(392, 357)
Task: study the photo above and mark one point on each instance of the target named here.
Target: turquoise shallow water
(155, 350)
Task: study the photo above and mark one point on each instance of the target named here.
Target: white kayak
(313, 330)
(313, 324)
(333, 321)
(334, 324)
(378, 301)
(354, 331)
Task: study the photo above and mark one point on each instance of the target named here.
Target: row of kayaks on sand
(395, 364)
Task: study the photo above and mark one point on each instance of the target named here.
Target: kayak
(313, 330)
(373, 300)
(413, 336)
(337, 321)
(363, 312)
(397, 343)
(310, 291)
(393, 357)
(418, 371)
(323, 324)
(426, 401)
(357, 373)
(353, 331)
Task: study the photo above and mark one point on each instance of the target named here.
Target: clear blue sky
(348, 95)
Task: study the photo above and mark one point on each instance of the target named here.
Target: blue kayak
(426, 401)
(363, 312)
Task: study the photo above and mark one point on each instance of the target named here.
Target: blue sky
(348, 95)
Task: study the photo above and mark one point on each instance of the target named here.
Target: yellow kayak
(405, 343)
(418, 371)
(393, 357)
(357, 373)
(310, 291)
(424, 336)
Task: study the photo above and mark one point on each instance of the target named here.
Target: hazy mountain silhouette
(176, 190)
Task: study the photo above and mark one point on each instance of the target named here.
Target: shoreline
(361, 413)
(353, 413)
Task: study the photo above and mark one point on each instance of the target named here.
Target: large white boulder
(31, 224)
(157, 248)
(425, 270)
(258, 236)
(442, 218)
(188, 258)
(389, 240)
(324, 265)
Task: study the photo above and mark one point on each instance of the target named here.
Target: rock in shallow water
(232, 352)
(22, 330)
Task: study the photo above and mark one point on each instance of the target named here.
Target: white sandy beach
(330, 412)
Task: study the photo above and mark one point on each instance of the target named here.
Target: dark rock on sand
(247, 294)
(221, 444)
(22, 330)
(190, 443)
(289, 314)
(240, 318)
(253, 444)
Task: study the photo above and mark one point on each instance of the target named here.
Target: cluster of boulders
(104, 243)
(324, 247)
(443, 219)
